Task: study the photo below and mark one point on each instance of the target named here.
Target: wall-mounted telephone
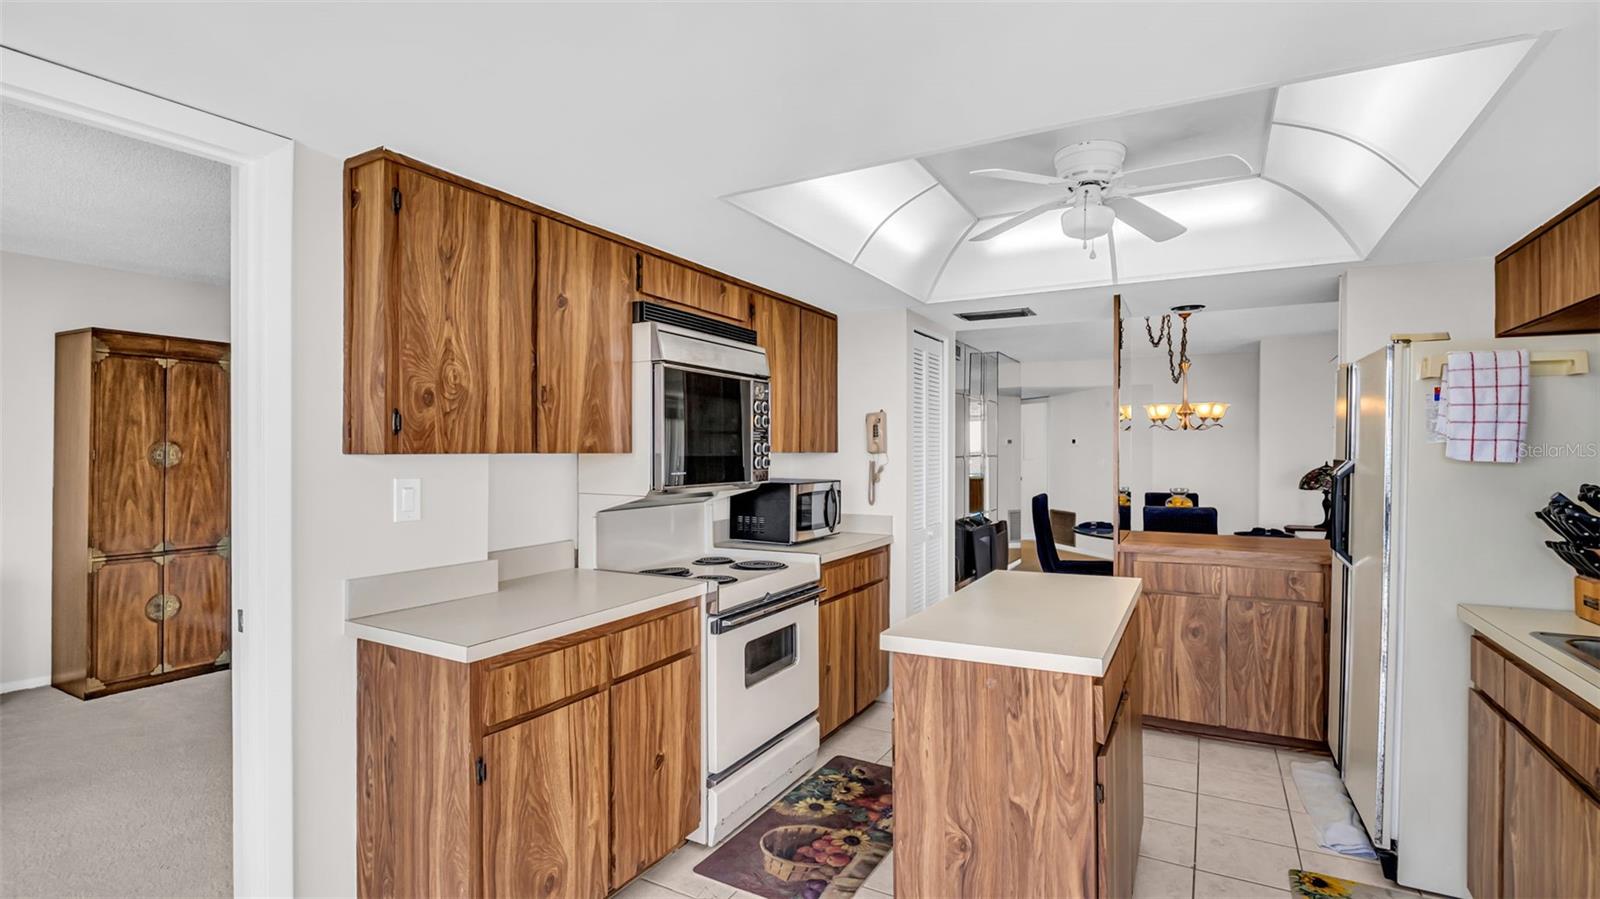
(877, 445)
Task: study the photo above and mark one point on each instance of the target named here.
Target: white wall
(1378, 300)
(39, 297)
(1298, 380)
(1078, 469)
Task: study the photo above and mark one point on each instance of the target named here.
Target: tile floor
(1222, 819)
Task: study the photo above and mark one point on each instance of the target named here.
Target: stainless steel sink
(1582, 647)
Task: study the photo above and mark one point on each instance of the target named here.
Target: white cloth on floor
(1323, 795)
(1485, 405)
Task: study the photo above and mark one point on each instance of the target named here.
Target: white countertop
(827, 549)
(524, 611)
(1069, 623)
(1512, 630)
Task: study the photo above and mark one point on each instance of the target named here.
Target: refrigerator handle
(1339, 528)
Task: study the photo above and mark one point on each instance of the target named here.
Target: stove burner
(719, 578)
(759, 565)
(712, 560)
(673, 571)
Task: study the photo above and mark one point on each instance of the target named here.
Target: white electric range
(760, 653)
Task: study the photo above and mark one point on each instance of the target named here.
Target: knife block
(1586, 598)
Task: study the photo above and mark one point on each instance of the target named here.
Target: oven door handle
(730, 622)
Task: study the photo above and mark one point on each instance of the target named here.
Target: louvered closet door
(929, 530)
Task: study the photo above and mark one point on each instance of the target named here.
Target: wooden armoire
(141, 525)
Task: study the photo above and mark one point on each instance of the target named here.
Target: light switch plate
(407, 499)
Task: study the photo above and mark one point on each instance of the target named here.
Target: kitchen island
(1018, 756)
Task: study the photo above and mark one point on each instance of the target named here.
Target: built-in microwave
(712, 410)
(785, 510)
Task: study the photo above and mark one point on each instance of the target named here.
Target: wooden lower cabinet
(1533, 821)
(1485, 764)
(853, 671)
(655, 766)
(127, 641)
(1182, 657)
(544, 807)
(1274, 679)
(1119, 775)
(540, 772)
(157, 617)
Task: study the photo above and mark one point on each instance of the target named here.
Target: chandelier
(1185, 416)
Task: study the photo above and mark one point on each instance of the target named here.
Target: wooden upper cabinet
(777, 327)
(1549, 282)
(692, 288)
(819, 377)
(129, 431)
(583, 375)
(438, 317)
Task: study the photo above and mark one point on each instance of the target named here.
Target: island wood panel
(197, 634)
(871, 663)
(1181, 657)
(1485, 770)
(545, 805)
(693, 288)
(1109, 689)
(417, 800)
(646, 644)
(463, 321)
(584, 377)
(127, 642)
(1488, 669)
(1551, 827)
(197, 494)
(369, 305)
(777, 327)
(69, 513)
(1571, 733)
(837, 626)
(516, 686)
(130, 422)
(995, 795)
(1274, 668)
(819, 382)
(1120, 774)
(655, 766)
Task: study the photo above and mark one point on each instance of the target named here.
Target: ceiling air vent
(989, 315)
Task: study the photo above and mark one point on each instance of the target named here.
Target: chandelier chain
(1174, 363)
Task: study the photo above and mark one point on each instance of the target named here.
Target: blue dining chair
(1044, 543)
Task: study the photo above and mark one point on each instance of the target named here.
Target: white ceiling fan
(1098, 191)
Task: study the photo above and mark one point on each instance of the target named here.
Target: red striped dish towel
(1485, 405)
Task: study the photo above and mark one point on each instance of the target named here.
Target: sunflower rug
(1311, 885)
(819, 841)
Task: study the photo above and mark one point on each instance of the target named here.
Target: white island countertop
(522, 612)
(1513, 628)
(1069, 623)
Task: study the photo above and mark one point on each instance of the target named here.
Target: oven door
(703, 428)
(761, 678)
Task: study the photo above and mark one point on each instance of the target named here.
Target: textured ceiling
(74, 192)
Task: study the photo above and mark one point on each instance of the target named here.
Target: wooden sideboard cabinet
(561, 770)
(1549, 282)
(141, 525)
(1533, 783)
(854, 611)
(1235, 631)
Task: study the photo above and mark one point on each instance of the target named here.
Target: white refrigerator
(1415, 534)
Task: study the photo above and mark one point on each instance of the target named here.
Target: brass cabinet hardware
(92, 684)
(97, 560)
(166, 454)
(225, 547)
(224, 657)
(162, 607)
(161, 668)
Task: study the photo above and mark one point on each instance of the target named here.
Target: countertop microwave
(786, 510)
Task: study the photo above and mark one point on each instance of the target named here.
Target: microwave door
(702, 428)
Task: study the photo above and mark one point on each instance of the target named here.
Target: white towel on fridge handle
(1485, 405)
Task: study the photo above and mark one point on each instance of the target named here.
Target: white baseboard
(26, 684)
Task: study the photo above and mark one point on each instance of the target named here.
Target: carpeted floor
(129, 795)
